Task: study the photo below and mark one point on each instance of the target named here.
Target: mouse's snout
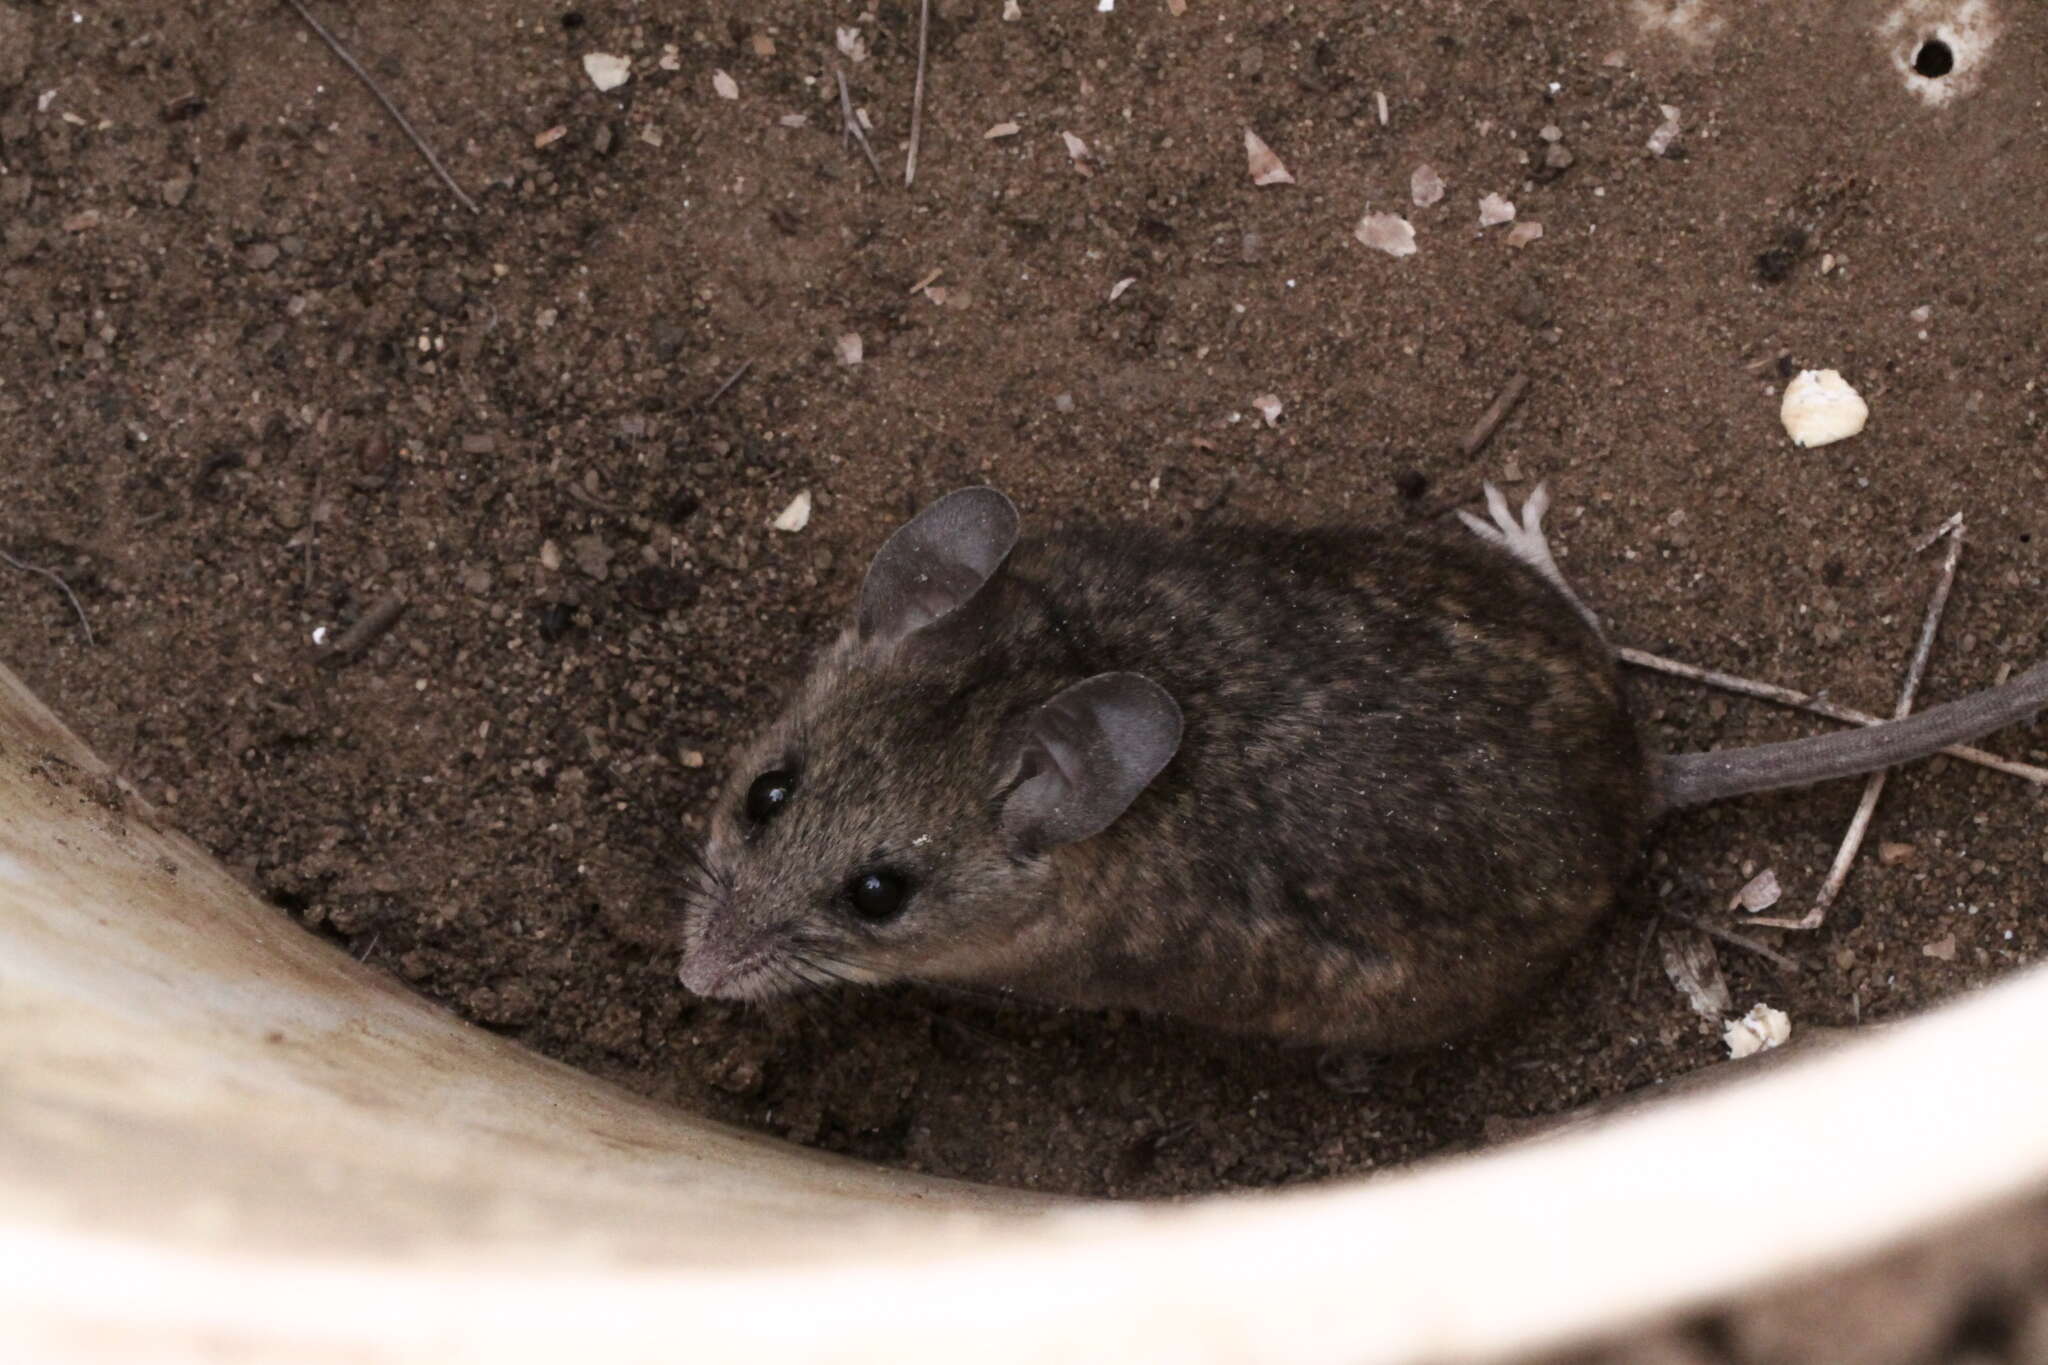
(727, 958)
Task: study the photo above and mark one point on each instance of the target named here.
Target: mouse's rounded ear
(935, 563)
(1085, 755)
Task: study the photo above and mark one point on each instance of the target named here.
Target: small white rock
(1001, 130)
(1760, 894)
(1762, 1029)
(1076, 149)
(607, 72)
(797, 515)
(1266, 168)
(1268, 405)
(851, 44)
(1116, 291)
(1820, 407)
(1667, 131)
(1495, 210)
(726, 86)
(1012, 12)
(1425, 187)
(1388, 232)
(1525, 232)
(849, 348)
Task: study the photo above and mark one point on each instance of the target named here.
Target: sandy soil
(259, 371)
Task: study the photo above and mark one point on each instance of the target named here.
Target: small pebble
(1425, 186)
(797, 515)
(1820, 408)
(593, 556)
(176, 189)
(261, 256)
(1386, 232)
(606, 71)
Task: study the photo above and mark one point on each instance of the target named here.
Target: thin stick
(1819, 706)
(924, 24)
(853, 127)
(1873, 787)
(730, 380)
(365, 632)
(56, 578)
(385, 100)
(1635, 976)
(1742, 941)
(1496, 413)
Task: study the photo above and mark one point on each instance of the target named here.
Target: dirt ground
(260, 371)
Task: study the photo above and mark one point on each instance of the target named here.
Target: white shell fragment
(1425, 187)
(848, 348)
(1667, 131)
(1694, 967)
(1005, 129)
(1494, 210)
(607, 72)
(1760, 893)
(726, 86)
(1268, 405)
(1266, 168)
(1388, 232)
(797, 515)
(1762, 1029)
(1116, 291)
(1820, 408)
(1078, 150)
(1525, 232)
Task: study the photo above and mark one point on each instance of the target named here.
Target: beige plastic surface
(220, 1139)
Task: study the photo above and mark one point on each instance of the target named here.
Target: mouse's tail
(1695, 779)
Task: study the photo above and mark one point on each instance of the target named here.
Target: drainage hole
(1934, 59)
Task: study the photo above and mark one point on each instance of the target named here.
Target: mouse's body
(1340, 787)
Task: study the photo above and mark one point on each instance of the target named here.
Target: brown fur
(1407, 784)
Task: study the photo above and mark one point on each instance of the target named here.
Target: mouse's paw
(1524, 539)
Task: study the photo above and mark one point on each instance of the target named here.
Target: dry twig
(352, 64)
(367, 630)
(58, 579)
(730, 380)
(1729, 936)
(1496, 412)
(1873, 786)
(853, 128)
(924, 24)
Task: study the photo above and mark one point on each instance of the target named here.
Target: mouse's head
(898, 820)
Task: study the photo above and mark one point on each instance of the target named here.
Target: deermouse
(1345, 787)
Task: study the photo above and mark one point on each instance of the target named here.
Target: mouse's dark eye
(769, 793)
(878, 895)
